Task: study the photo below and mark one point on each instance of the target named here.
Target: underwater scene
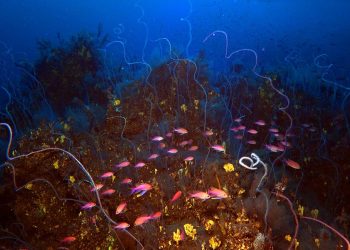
(175, 124)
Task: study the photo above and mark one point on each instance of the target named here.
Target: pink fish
(108, 192)
(272, 148)
(153, 156)
(121, 225)
(120, 208)
(183, 143)
(273, 130)
(123, 164)
(242, 127)
(169, 134)
(251, 142)
(260, 123)
(157, 138)
(313, 129)
(142, 220)
(97, 187)
(234, 129)
(292, 164)
(218, 148)
(88, 205)
(68, 239)
(208, 133)
(286, 144)
(238, 120)
(239, 137)
(216, 193)
(193, 148)
(252, 131)
(161, 145)
(189, 158)
(141, 188)
(176, 196)
(172, 151)
(126, 181)
(140, 164)
(107, 175)
(200, 195)
(181, 131)
(156, 215)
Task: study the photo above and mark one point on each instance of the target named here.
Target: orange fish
(292, 164)
(218, 148)
(121, 225)
(88, 205)
(121, 208)
(181, 131)
(126, 181)
(141, 188)
(193, 148)
(156, 215)
(106, 175)
(200, 195)
(216, 193)
(172, 151)
(108, 192)
(142, 220)
(96, 188)
(68, 239)
(189, 158)
(176, 196)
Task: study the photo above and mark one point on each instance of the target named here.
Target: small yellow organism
(62, 138)
(55, 165)
(196, 103)
(214, 242)
(314, 213)
(288, 237)
(241, 191)
(66, 127)
(190, 231)
(183, 107)
(71, 179)
(229, 167)
(317, 242)
(177, 236)
(209, 225)
(300, 210)
(29, 186)
(116, 102)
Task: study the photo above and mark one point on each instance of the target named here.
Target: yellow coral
(184, 107)
(177, 236)
(314, 213)
(116, 102)
(214, 242)
(190, 231)
(209, 224)
(288, 237)
(300, 210)
(229, 167)
(71, 179)
(55, 165)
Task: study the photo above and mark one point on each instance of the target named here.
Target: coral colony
(166, 161)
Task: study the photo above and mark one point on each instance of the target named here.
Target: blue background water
(273, 28)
